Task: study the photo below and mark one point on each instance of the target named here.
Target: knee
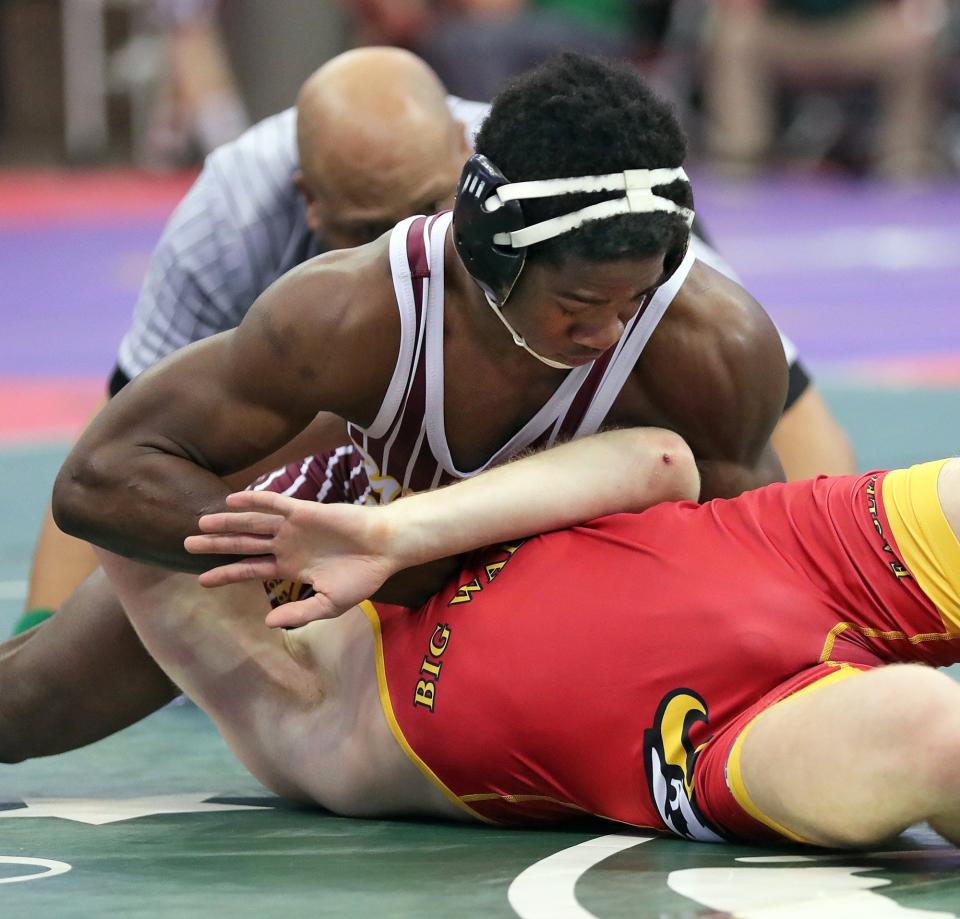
(925, 733)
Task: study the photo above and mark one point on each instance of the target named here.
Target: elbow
(669, 469)
(75, 495)
(678, 467)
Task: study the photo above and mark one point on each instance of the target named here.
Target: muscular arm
(715, 373)
(347, 552)
(153, 460)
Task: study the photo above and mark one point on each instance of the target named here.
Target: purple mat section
(852, 272)
(68, 293)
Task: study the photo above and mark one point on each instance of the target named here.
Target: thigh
(301, 709)
(79, 677)
(214, 645)
(843, 760)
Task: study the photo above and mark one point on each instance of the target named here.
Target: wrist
(404, 534)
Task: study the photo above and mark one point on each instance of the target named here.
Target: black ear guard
(495, 268)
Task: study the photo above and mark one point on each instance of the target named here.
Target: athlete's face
(573, 312)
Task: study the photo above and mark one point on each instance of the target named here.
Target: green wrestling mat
(161, 821)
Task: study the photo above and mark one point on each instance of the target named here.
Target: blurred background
(825, 141)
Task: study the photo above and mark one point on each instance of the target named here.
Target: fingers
(294, 615)
(229, 544)
(261, 568)
(269, 502)
(266, 524)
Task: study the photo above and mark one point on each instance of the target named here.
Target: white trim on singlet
(403, 288)
(395, 421)
(629, 348)
(556, 405)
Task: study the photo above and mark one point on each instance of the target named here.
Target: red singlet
(608, 668)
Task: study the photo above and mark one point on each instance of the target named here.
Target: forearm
(145, 513)
(810, 441)
(617, 471)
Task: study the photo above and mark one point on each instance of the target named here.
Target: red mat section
(934, 371)
(36, 409)
(43, 197)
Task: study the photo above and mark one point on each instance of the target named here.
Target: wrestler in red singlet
(610, 668)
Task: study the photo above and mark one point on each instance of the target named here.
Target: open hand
(341, 550)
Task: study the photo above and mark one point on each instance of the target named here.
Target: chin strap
(518, 339)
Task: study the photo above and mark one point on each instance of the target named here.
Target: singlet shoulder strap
(410, 267)
(628, 350)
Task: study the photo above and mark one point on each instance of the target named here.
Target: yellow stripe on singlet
(370, 611)
(927, 544)
(734, 770)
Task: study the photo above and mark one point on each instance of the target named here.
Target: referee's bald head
(377, 143)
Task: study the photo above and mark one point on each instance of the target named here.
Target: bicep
(223, 403)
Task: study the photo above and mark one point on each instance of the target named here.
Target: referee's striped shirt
(240, 226)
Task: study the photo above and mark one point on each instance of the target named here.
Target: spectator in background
(198, 106)
(475, 45)
(752, 46)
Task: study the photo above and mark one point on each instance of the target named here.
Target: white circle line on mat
(545, 890)
(53, 868)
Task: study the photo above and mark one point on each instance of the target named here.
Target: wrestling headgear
(492, 237)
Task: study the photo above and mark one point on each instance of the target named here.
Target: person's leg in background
(737, 86)
(59, 564)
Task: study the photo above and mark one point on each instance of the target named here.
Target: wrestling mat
(162, 821)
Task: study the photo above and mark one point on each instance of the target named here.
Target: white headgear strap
(638, 185)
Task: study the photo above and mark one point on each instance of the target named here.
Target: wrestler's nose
(600, 336)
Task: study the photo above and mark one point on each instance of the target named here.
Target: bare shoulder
(725, 347)
(333, 323)
(720, 310)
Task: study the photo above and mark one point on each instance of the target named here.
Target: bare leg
(736, 87)
(860, 760)
(948, 490)
(810, 442)
(60, 562)
(300, 709)
(215, 646)
(78, 678)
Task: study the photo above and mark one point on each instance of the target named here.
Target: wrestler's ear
(465, 147)
(309, 200)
